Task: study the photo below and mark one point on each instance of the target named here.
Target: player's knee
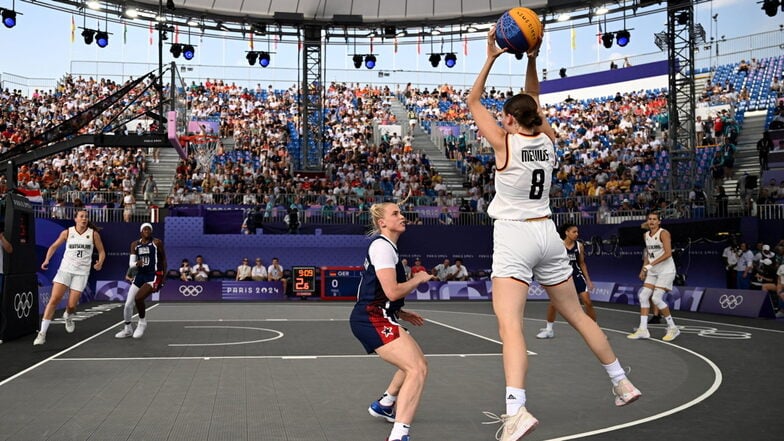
(645, 297)
(658, 298)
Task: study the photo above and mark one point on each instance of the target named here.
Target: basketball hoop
(203, 148)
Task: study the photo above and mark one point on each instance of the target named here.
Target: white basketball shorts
(529, 250)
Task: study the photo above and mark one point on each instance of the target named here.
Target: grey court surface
(294, 372)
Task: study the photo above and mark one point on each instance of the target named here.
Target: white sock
(515, 399)
(549, 326)
(399, 430)
(615, 371)
(670, 321)
(644, 321)
(45, 326)
(143, 321)
(387, 399)
(65, 314)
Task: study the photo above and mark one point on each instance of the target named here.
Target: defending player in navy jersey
(149, 257)
(74, 269)
(526, 245)
(582, 281)
(375, 320)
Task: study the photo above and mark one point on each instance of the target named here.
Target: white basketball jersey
(78, 254)
(655, 248)
(522, 186)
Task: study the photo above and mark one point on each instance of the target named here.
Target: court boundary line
(64, 351)
(265, 357)
(778, 331)
(717, 381)
(473, 334)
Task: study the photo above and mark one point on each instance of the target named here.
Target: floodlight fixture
(88, 35)
(9, 18)
(370, 61)
(102, 39)
(264, 59)
(434, 59)
(607, 39)
(623, 37)
(188, 52)
(450, 60)
(176, 50)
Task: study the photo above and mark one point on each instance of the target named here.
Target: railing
(94, 213)
(416, 217)
(770, 211)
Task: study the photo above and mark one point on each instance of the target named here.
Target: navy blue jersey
(574, 255)
(370, 291)
(147, 254)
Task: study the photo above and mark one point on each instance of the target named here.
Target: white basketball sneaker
(139, 332)
(545, 333)
(70, 326)
(39, 339)
(126, 332)
(639, 334)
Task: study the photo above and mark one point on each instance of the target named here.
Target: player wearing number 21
(526, 245)
(148, 256)
(74, 269)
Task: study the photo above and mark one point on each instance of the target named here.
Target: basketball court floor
(294, 372)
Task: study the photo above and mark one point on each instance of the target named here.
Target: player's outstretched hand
(422, 277)
(45, 265)
(98, 266)
(411, 317)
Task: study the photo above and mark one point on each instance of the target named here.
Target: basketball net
(203, 148)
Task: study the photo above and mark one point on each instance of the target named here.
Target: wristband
(647, 267)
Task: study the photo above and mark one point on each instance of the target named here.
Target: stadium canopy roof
(367, 14)
(356, 19)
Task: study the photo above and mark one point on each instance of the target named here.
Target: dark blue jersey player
(374, 321)
(149, 258)
(576, 253)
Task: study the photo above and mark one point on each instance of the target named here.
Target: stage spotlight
(769, 6)
(622, 37)
(357, 59)
(264, 59)
(683, 18)
(251, 57)
(188, 52)
(435, 59)
(88, 35)
(9, 18)
(370, 61)
(562, 72)
(176, 50)
(450, 60)
(102, 38)
(607, 40)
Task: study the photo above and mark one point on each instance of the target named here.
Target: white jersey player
(658, 273)
(74, 269)
(526, 245)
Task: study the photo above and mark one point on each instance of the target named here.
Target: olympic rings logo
(23, 303)
(536, 291)
(190, 290)
(730, 301)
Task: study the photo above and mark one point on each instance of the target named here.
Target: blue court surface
(294, 372)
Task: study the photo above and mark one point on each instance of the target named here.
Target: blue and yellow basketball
(519, 30)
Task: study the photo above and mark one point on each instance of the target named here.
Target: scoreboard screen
(304, 282)
(340, 282)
